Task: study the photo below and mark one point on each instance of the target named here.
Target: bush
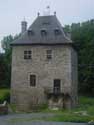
(4, 95)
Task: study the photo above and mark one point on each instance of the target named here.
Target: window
(28, 54)
(57, 85)
(43, 33)
(30, 33)
(49, 54)
(57, 32)
(32, 80)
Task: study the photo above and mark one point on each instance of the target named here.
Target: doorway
(57, 86)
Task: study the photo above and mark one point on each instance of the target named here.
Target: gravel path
(29, 119)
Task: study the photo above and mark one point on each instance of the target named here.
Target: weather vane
(47, 11)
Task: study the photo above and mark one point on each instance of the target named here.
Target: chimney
(23, 26)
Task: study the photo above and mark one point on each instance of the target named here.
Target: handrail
(58, 90)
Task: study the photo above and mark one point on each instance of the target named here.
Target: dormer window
(30, 32)
(43, 32)
(57, 32)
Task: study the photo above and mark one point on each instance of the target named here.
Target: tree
(7, 58)
(83, 35)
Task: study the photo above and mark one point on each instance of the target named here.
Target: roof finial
(38, 14)
(55, 13)
(47, 11)
(24, 19)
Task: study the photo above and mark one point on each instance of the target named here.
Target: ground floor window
(33, 80)
(57, 85)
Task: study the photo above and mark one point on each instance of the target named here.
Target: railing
(57, 90)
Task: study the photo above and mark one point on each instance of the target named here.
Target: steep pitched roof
(50, 27)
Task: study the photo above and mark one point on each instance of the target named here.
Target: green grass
(70, 116)
(86, 104)
(4, 95)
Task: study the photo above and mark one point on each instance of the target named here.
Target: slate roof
(49, 24)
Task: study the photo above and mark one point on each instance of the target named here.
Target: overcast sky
(12, 12)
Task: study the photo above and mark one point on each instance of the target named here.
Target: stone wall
(60, 67)
(27, 98)
(74, 67)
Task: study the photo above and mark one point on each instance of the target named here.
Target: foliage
(5, 61)
(2, 71)
(71, 118)
(83, 36)
(4, 95)
(83, 113)
(13, 107)
(86, 104)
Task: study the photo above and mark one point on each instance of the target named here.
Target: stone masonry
(63, 66)
(46, 71)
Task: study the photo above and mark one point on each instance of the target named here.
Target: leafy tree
(2, 71)
(7, 58)
(83, 35)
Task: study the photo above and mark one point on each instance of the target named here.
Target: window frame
(32, 80)
(43, 33)
(27, 54)
(57, 86)
(30, 33)
(49, 54)
(57, 32)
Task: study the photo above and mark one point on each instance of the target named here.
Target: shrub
(4, 95)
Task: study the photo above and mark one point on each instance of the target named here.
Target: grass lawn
(4, 95)
(83, 113)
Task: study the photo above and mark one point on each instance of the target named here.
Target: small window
(30, 33)
(32, 80)
(49, 54)
(43, 33)
(28, 54)
(57, 32)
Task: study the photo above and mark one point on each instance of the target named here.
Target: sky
(12, 12)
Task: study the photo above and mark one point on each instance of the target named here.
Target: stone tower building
(44, 66)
